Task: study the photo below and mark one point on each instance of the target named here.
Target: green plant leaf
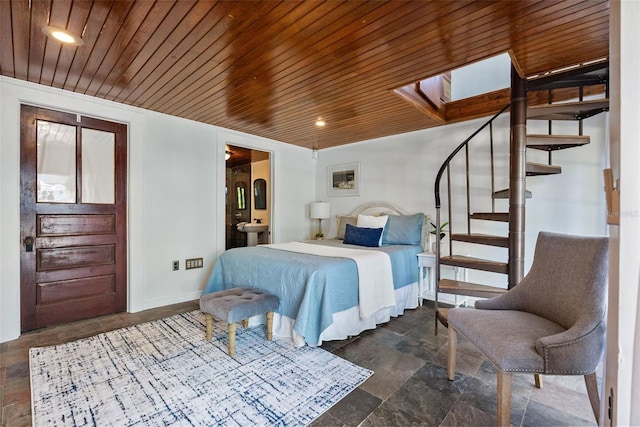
(443, 231)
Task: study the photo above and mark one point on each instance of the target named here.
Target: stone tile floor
(409, 387)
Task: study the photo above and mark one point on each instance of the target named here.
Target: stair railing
(446, 167)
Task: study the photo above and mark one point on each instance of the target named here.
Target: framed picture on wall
(344, 179)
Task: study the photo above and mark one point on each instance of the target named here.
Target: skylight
(481, 77)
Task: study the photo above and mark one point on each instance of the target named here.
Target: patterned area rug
(166, 373)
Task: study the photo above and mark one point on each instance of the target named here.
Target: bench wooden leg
(209, 319)
(232, 339)
(269, 325)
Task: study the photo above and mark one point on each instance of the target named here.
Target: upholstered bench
(236, 304)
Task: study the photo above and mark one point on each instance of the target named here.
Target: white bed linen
(348, 323)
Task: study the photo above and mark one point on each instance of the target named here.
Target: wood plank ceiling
(270, 68)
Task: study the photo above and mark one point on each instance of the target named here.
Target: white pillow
(370, 221)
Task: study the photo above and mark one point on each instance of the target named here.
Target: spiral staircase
(580, 80)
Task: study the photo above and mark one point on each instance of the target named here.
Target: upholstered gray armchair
(553, 322)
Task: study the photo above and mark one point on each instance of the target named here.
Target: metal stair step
(556, 142)
(491, 216)
(568, 110)
(482, 239)
(592, 74)
(475, 263)
(536, 169)
(504, 194)
(456, 287)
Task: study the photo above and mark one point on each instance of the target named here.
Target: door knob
(28, 243)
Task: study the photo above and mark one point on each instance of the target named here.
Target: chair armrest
(506, 301)
(490, 304)
(576, 351)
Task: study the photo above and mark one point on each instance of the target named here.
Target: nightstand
(426, 265)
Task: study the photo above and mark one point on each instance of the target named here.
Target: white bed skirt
(347, 323)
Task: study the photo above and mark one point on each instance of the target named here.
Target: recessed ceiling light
(62, 35)
(320, 122)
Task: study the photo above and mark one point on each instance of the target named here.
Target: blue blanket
(311, 288)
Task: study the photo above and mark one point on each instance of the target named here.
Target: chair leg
(453, 346)
(504, 398)
(269, 325)
(594, 397)
(245, 323)
(538, 379)
(232, 339)
(209, 320)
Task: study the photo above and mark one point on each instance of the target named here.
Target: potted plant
(442, 231)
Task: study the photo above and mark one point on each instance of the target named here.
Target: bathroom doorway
(247, 196)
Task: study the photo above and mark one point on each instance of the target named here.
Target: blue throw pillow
(362, 236)
(403, 230)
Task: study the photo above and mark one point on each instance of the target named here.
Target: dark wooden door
(73, 173)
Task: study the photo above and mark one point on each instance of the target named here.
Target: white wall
(291, 189)
(623, 365)
(175, 195)
(401, 169)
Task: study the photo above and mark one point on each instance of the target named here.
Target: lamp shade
(320, 210)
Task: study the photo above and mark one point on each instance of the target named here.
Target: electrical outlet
(175, 265)
(193, 263)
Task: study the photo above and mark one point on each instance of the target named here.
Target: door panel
(80, 256)
(55, 292)
(56, 225)
(71, 274)
(73, 217)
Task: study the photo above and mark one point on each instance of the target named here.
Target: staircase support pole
(517, 177)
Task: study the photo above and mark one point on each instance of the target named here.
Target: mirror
(260, 193)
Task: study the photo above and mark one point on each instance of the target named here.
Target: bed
(335, 288)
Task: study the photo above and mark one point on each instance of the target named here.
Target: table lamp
(320, 211)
